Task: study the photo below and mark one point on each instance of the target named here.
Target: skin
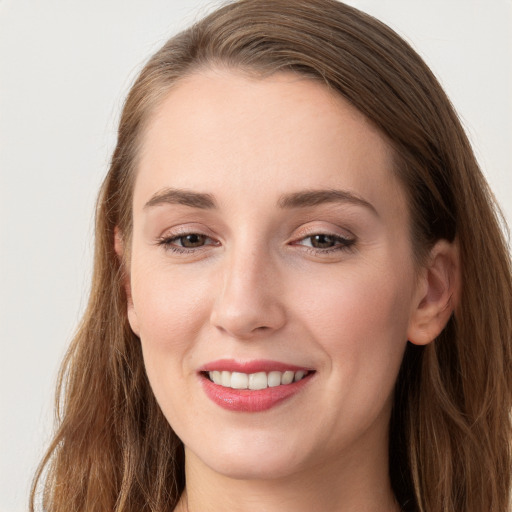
(255, 287)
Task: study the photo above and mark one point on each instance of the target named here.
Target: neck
(356, 484)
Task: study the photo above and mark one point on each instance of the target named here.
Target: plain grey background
(65, 67)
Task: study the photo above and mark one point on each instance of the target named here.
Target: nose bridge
(248, 301)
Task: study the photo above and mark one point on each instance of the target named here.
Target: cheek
(168, 306)
(360, 319)
(369, 302)
(171, 311)
(360, 322)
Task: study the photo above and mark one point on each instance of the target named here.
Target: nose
(249, 303)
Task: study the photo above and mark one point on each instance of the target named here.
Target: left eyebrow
(306, 198)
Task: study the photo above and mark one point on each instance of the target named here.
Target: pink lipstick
(252, 386)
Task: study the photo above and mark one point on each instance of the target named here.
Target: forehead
(217, 129)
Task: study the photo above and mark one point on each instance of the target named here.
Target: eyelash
(169, 243)
(340, 243)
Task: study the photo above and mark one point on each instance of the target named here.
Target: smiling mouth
(255, 381)
(253, 386)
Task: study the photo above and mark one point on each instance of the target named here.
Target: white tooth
(216, 377)
(299, 375)
(287, 377)
(239, 380)
(225, 379)
(274, 379)
(258, 380)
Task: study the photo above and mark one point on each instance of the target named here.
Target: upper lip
(254, 366)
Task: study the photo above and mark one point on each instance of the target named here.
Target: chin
(252, 461)
(253, 470)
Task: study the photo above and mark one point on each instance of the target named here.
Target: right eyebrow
(182, 196)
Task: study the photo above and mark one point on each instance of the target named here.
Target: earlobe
(437, 293)
(120, 251)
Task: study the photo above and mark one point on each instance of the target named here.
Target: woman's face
(270, 243)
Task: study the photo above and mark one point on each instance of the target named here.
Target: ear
(437, 293)
(120, 251)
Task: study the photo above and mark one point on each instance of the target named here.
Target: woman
(301, 296)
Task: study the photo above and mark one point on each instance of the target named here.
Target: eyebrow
(308, 198)
(184, 197)
(302, 199)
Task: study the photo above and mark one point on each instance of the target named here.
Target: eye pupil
(322, 241)
(192, 240)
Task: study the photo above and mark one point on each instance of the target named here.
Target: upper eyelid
(186, 229)
(301, 236)
(333, 235)
(308, 231)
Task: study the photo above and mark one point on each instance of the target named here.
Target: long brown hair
(450, 429)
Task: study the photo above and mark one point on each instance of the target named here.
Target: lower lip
(245, 400)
